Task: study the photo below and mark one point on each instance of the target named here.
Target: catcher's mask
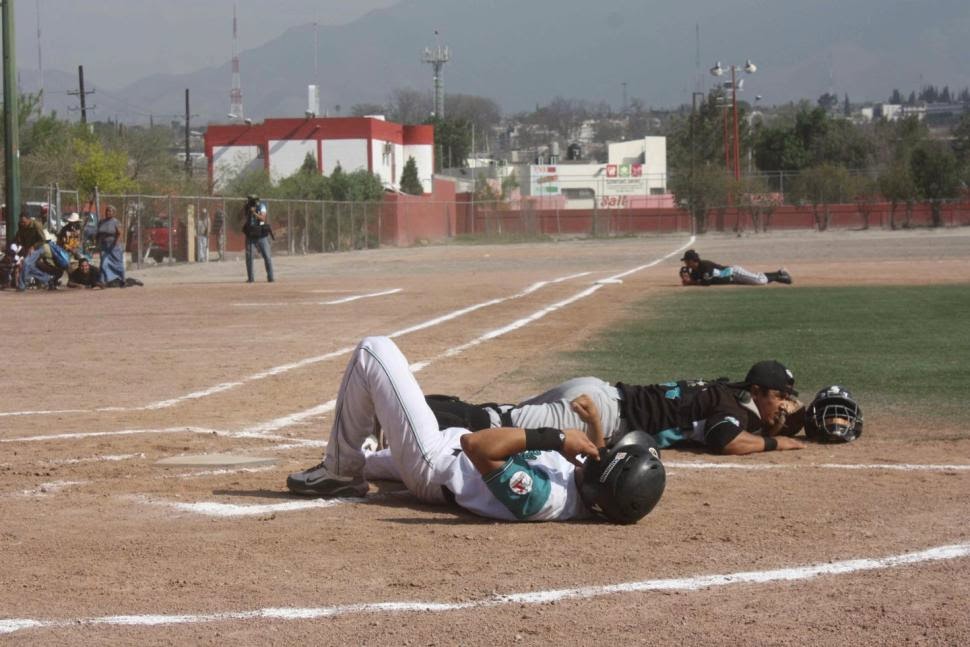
(833, 416)
(627, 481)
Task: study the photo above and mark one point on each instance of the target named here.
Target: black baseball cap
(771, 374)
(690, 255)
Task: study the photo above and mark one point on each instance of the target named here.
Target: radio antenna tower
(235, 94)
(437, 57)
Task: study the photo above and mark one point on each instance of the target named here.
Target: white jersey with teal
(530, 486)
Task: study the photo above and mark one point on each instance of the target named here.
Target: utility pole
(188, 157)
(11, 152)
(82, 94)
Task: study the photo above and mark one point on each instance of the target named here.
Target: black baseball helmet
(627, 481)
(833, 416)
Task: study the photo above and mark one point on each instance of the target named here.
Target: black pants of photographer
(261, 244)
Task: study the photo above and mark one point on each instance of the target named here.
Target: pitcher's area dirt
(105, 384)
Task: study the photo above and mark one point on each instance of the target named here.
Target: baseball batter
(756, 415)
(700, 272)
(502, 473)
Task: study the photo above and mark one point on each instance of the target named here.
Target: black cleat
(784, 276)
(319, 481)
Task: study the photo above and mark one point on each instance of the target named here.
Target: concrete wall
(286, 156)
(350, 154)
(230, 161)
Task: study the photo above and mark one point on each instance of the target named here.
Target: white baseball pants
(378, 387)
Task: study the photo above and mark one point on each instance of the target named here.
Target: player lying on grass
(701, 272)
(503, 472)
(759, 414)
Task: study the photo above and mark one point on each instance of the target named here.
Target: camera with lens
(252, 203)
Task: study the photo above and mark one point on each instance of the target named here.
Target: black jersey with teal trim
(711, 413)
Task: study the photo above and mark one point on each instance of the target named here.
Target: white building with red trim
(281, 145)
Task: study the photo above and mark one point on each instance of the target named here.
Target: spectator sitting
(85, 276)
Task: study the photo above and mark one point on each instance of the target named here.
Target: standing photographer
(258, 234)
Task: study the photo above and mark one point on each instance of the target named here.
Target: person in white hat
(69, 237)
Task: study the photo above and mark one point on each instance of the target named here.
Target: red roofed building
(281, 145)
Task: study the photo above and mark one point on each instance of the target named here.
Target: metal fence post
(171, 221)
(289, 227)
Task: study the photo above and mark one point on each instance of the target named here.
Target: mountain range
(523, 54)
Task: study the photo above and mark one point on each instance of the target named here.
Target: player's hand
(585, 408)
(577, 443)
(685, 275)
(787, 442)
(788, 419)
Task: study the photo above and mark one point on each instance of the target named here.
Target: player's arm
(748, 443)
(724, 433)
(589, 413)
(489, 449)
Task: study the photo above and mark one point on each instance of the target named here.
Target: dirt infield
(101, 546)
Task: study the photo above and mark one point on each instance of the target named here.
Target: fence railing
(169, 229)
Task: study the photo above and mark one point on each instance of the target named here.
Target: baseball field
(865, 543)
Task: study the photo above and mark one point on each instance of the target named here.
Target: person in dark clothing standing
(258, 234)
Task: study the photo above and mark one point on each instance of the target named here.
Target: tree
(452, 142)
(936, 174)
(481, 112)
(961, 139)
(364, 109)
(756, 199)
(896, 97)
(821, 186)
(409, 178)
(509, 184)
(897, 186)
(828, 101)
(96, 167)
(865, 192)
(409, 106)
(846, 107)
(705, 189)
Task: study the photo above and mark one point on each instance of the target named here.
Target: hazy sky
(120, 41)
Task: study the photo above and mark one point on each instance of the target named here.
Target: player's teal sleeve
(519, 486)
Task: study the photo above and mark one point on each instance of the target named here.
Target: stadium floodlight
(717, 70)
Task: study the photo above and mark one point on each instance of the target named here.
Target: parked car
(155, 240)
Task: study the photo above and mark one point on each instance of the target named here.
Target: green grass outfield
(904, 351)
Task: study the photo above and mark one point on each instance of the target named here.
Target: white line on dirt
(283, 368)
(356, 297)
(261, 429)
(214, 509)
(799, 573)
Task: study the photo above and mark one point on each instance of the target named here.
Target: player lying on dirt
(503, 472)
(695, 271)
(756, 415)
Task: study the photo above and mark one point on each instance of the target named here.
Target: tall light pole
(11, 151)
(733, 158)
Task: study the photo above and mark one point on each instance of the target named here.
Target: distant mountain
(526, 53)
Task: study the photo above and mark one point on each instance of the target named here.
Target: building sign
(544, 180)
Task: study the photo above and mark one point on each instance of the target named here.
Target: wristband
(544, 438)
(771, 444)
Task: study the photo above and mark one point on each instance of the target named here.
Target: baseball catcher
(833, 416)
(695, 271)
(510, 473)
(760, 413)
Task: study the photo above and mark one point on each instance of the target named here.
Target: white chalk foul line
(356, 297)
(283, 368)
(794, 574)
